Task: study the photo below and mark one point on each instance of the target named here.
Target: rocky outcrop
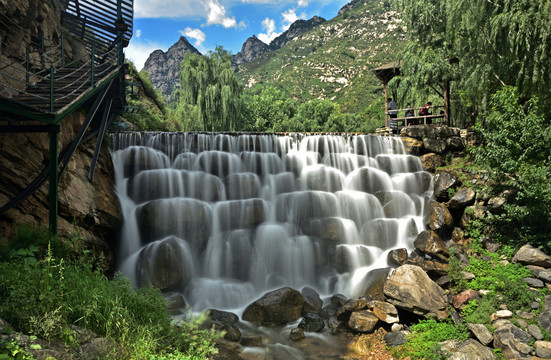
(254, 47)
(88, 208)
(164, 67)
(275, 307)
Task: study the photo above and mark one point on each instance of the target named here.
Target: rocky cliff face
(90, 208)
(164, 67)
(253, 47)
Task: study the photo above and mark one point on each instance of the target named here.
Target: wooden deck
(398, 123)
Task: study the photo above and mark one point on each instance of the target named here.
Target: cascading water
(224, 218)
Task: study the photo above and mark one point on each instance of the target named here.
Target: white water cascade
(225, 218)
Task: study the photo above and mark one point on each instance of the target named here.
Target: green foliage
(455, 272)
(46, 297)
(12, 349)
(480, 46)
(209, 84)
(518, 155)
(423, 343)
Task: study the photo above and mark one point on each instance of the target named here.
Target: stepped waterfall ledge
(225, 218)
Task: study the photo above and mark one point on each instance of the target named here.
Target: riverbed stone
(312, 301)
(363, 321)
(311, 323)
(411, 289)
(297, 334)
(513, 342)
(276, 307)
(529, 255)
(222, 317)
(232, 332)
(430, 243)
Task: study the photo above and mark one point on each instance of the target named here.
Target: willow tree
(481, 46)
(208, 85)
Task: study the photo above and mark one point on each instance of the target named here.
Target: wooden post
(53, 181)
(447, 110)
(386, 106)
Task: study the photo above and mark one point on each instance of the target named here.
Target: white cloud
(270, 27)
(138, 52)
(302, 3)
(138, 33)
(289, 17)
(217, 15)
(197, 35)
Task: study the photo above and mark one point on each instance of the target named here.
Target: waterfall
(224, 218)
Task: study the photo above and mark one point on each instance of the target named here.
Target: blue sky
(158, 24)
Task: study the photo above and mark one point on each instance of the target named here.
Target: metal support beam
(53, 182)
(107, 118)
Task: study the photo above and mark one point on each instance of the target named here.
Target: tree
(481, 46)
(209, 84)
(270, 110)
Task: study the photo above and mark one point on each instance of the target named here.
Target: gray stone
(545, 320)
(312, 301)
(543, 349)
(311, 323)
(232, 332)
(482, 333)
(251, 340)
(544, 275)
(363, 321)
(473, 350)
(275, 307)
(443, 181)
(222, 317)
(455, 144)
(430, 243)
(513, 342)
(396, 338)
(410, 288)
(434, 145)
(462, 198)
(535, 331)
(528, 255)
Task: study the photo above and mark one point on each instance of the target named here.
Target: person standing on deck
(426, 109)
(392, 109)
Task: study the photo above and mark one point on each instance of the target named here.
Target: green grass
(43, 298)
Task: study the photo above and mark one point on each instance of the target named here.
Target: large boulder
(513, 342)
(312, 301)
(473, 350)
(412, 146)
(482, 333)
(434, 145)
(529, 255)
(276, 307)
(410, 288)
(311, 323)
(430, 243)
(363, 321)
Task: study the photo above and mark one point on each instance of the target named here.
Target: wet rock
(165, 264)
(339, 300)
(384, 311)
(311, 323)
(412, 146)
(430, 243)
(336, 326)
(373, 285)
(443, 181)
(431, 161)
(410, 288)
(397, 256)
(222, 317)
(227, 350)
(232, 332)
(528, 255)
(473, 350)
(440, 218)
(482, 333)
(325, 228)
(297, 334)
(513, 342)
(397, 338)
(312, 301)
(241, 186)
(251, 340)
(363, 321)
(174, 302)
(434, 145)
(275, 307)
(462, 198)
(354, 305)
(459, 300)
